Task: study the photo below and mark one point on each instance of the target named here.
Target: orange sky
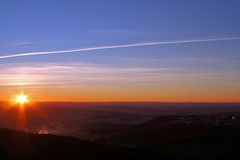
(51, 82)
(133, 93)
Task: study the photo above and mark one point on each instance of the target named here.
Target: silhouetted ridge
(21, 145)
(185, 137)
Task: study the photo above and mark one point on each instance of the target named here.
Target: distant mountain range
(178, 137)
(190, 137)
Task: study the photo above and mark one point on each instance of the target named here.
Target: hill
(21, 145)
(185, 137)
(178, 137)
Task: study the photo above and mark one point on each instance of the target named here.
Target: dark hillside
(20, 145)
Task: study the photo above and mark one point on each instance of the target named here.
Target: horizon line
(209, 102)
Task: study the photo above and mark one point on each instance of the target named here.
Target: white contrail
(118, 46)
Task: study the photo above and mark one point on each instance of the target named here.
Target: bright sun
(21, 98)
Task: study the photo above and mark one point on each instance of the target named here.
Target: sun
(21, 99)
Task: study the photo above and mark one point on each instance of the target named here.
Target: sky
(109, 50)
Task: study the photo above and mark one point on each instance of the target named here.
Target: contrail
(118, 46)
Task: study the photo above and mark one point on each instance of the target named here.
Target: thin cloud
(118, 46)
(59, 74)
(21, 43)
(44, 74)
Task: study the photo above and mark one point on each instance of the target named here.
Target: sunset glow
(145, 54)
(21, 99)
(132, 79)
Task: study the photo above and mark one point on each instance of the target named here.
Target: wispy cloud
(44, 74)
(21, 43)
(116, 32)
(118, 46)
(71, 74)
(113, 33)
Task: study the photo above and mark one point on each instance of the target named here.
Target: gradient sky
(207, 71)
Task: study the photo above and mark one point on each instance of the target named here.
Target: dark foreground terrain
(121, 131)
(196, 137)
(25, 146)
(182, 137)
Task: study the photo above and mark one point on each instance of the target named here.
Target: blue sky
(48, 25)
